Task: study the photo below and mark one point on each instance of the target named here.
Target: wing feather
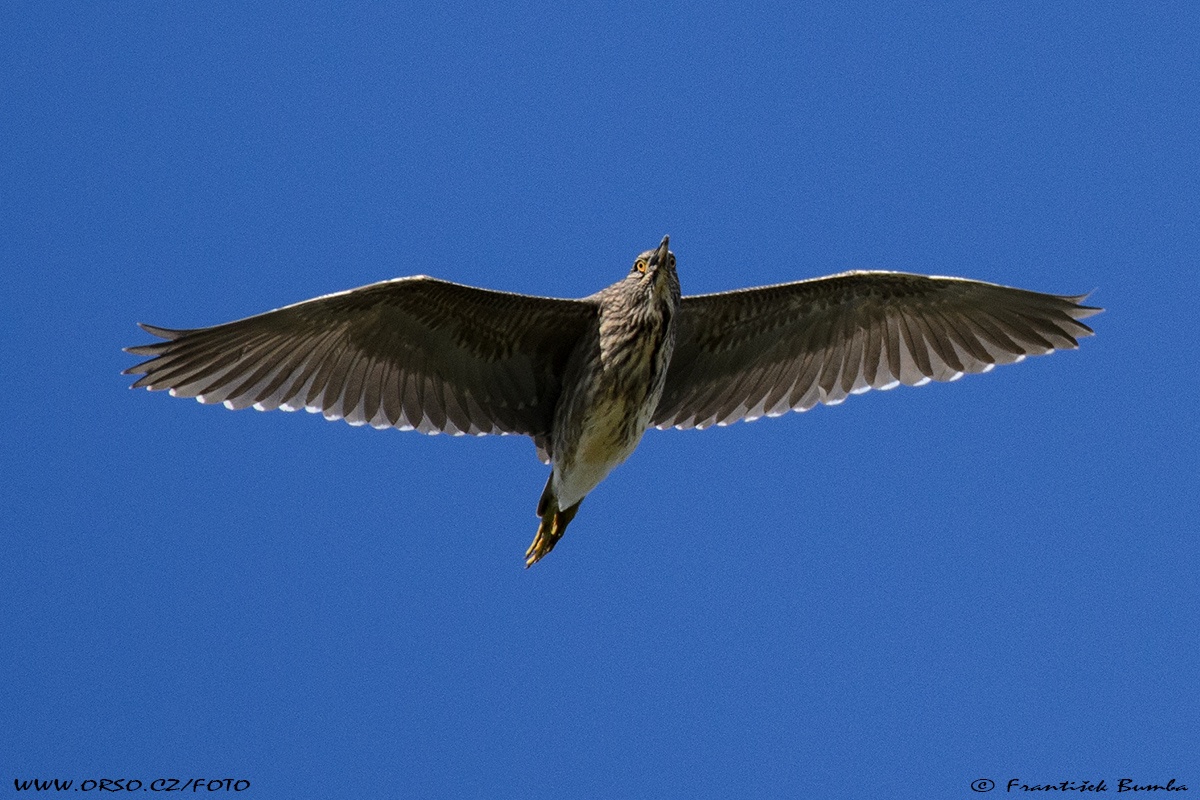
(770, 349)
(407, 353)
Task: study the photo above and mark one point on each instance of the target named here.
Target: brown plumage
(585, 378)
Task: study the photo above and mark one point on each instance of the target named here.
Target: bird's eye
(672, 259)
(640, 265)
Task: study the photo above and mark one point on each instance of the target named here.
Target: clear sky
(992, 579)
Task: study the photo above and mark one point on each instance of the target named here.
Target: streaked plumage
(584, 378)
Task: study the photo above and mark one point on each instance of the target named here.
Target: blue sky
(896, 597)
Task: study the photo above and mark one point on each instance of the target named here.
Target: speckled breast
(607, 422)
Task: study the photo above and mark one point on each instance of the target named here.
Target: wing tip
(153, 350)
(1080, 310)
(160, 332)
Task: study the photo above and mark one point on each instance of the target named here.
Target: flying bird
(586, 378)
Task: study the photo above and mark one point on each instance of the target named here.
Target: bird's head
(655, 269)
(649, 263)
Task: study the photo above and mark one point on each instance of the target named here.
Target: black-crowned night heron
(586, 378)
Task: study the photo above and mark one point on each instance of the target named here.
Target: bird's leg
(553, 525)
(551, 529)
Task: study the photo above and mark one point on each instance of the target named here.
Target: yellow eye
(640, 265)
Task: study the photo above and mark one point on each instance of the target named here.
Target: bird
(586, 378)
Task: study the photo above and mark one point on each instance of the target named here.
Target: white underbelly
(605, 443)
(603, 427)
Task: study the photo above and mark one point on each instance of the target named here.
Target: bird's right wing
(410, 353)
(773, 349)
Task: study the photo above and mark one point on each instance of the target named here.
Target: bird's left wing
(773, 349)
(410, 353)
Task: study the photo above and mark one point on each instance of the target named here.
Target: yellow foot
(550, 530)
(543, 543)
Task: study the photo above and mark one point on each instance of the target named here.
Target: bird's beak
(661, 255)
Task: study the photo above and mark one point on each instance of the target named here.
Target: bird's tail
(553, 525)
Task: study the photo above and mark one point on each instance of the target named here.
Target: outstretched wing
(411, 353)
(773, 349)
